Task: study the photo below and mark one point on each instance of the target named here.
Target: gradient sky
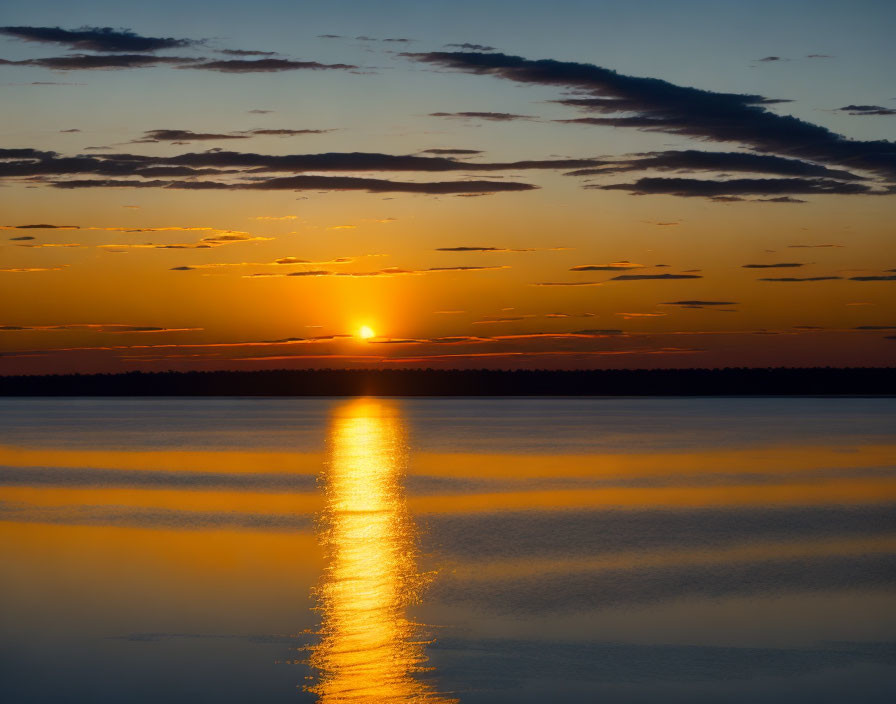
(222, 185)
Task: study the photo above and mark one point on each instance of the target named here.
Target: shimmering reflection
(369, 651)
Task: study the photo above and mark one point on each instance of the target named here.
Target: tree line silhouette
(735, 381)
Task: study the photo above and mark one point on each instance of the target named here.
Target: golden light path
(369, 651)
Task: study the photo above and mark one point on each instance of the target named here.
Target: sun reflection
(369, 651)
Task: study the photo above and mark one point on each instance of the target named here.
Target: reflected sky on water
(484, 550)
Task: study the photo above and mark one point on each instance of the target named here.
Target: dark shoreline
(779, 381)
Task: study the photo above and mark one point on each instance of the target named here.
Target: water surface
(432, 550)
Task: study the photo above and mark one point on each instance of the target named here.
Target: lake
(479, 550)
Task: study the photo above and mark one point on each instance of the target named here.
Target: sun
(366, 332)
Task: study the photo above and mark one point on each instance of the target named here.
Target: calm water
(438, 550)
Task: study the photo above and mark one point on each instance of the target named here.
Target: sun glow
(366, 332)
(370, 651)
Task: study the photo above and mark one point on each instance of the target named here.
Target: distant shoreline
(780, 381)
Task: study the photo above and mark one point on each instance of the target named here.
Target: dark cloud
(867, 110)
(185, 136)
(471, 47)
(657, 105)
(494, 116)
(246, 52)
(259, 112)
(31, 163)
(812, 246)
(724, 190)
(71, 130)
(615, 266)
(884, 277)
(771, 58)
(464, 268)
(451, 151)
(794, 279)
(699, 304)
(285, 132)
(695, 160)
(662, 277)
(330, 36)
(264, 66)
(320, 183)
(20, 239)
(398, 40)
(87, 62)
(95, 38)
(470, 249)
(876, 327)
(781, 265)
(41, 226)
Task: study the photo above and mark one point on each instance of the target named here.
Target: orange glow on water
(369, 651)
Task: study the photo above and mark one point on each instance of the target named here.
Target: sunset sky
(219, 185)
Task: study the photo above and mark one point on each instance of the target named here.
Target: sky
(565, 185)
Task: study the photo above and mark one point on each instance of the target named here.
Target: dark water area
(478, 550)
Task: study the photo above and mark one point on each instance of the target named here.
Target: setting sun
(366, 332)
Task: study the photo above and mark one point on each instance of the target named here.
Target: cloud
(697, 188)
(694, 160)
(283, 261)
(208, 242)
(867, 110)
(451, 151)
(246, 52)
(263, 66)
(98, 327)
(812, 246)
(794, 279)
(771, 58)
(91, 62)
(875, 327)
(184, 135)
(488, 320)
(615, 266)
(493, 250)
(657, 105)
(31, 162)
(25, 270)
(388, 271)
(49, 244)
(286, 132)
(18, 239)
(662, 277)
(698, 303)
(493, 116)
(316, 183)
(781, 265)
(42, 226)
(885, 277)
(471, 47)
(95, 38)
